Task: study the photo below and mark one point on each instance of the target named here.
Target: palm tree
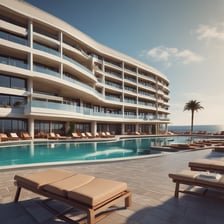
(193, 106)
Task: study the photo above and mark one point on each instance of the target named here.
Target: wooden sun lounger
(219, 148)
(13, 136)
(89, 135)
(108, 134)
(3, 137)
(88, 193)
(52, 135)
(196, 178)
(103, 135)
(207, 165)
(75, 135)
(25, 136)
(182, 146)
(61, 137)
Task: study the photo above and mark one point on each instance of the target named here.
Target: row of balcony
(88, 111)
(55, 52)
(49, 71)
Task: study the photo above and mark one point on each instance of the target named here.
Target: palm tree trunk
(192, 121)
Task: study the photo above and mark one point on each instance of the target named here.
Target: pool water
(30, 153)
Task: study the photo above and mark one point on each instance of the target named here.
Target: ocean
(197, 128)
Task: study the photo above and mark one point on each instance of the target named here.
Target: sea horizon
(208, 128)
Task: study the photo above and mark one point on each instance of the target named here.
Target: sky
(184, 39)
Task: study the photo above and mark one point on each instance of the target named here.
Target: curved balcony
(39, 107)
(46, 49)
(13, 38)
(14, 62)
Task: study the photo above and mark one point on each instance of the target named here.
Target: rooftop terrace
(152, 193)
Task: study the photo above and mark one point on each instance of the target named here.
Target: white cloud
(189, 56)
(206, 32)
(170, 55)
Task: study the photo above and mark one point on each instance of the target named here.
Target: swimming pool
(73, 151)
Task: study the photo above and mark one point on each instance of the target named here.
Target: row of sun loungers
(89, 135)
(95, 196)
(216, 144)
(52, 135)
(10, 137)
(203, 173)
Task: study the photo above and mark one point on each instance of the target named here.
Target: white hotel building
(54, 78)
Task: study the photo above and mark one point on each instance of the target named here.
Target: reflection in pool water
(30, 153)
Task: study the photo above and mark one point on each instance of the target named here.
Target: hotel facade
(54, 78)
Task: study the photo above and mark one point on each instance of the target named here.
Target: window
(4, 100)
(129, 128)
(82, 127)
(13, 125)
(12, 101)
(5, 81)
(18, 83)
(58, 127)
(13, 82)
(49, 126)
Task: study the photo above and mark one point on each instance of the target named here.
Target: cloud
(206, 32)
(170, 55)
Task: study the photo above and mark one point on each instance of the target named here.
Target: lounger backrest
(2, 135)
(13, 135)
(42, 178)
(52, 134)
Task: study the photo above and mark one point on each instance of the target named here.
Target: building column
(156, 128)
(60, 38)
(30, 43)
(30, 85)
(137, 127)
(93, 128)
(30, 33)
(123, 128)
(31, 127)
(67, 127)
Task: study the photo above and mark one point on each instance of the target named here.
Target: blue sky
(184, 39)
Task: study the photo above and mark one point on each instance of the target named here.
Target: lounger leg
(17, 194)
(128, 201)
(90, 217)
(176, 194)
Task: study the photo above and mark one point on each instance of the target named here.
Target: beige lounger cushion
(207, 164)
(97, 191)
(79, 187)
(68, 184)
(184, 175)
(39, 179)
(195, 177)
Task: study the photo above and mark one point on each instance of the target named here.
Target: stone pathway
(152, 193)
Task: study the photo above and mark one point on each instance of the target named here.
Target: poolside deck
(153, 201)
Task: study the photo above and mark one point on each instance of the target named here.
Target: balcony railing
(82, 110)
(71, 108)
(112, 84)
(13, 61)
(77, 64)
(113, 98)
(46, 49)
(46, 70)
(126, 100)
(147, 77)
(130, 79)
(146, 104)
(13, 38)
